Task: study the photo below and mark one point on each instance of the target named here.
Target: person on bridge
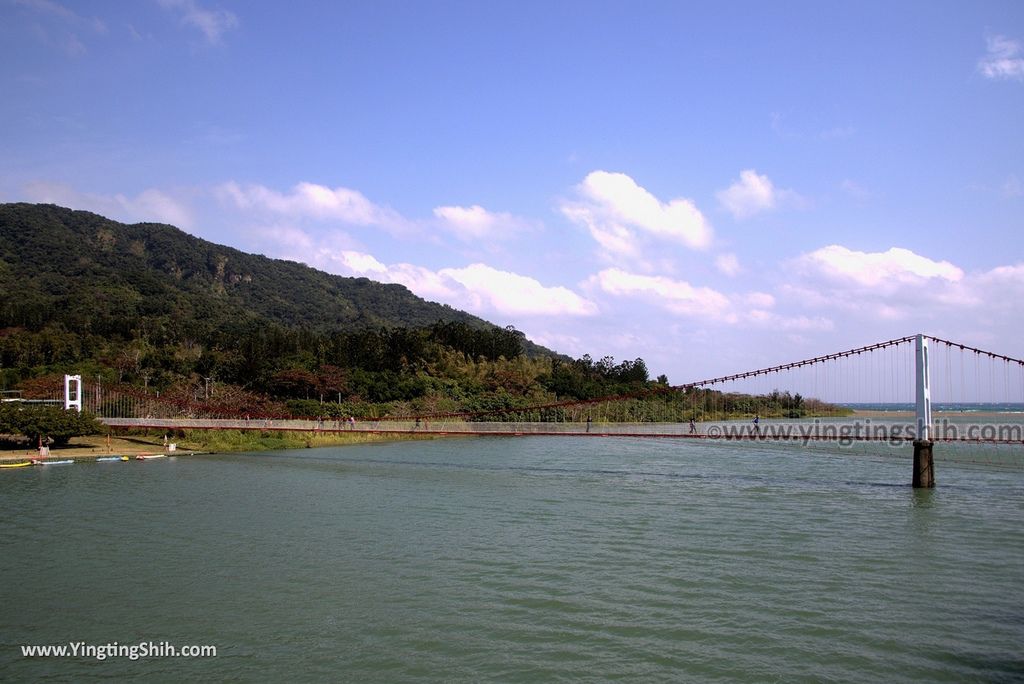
(757, 424)
(693, 427)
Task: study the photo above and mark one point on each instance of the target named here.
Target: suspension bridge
(918, 390)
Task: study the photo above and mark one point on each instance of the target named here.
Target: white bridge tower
(924, 471)
(73, 392)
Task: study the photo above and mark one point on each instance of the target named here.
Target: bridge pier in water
(924, 470)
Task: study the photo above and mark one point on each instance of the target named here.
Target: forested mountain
(148, 304)
(94, 275)
(151, 309)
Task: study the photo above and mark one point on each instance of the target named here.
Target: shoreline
(89, 448)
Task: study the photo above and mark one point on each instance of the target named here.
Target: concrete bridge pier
(924, 471)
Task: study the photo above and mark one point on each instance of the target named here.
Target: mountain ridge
(122, 265)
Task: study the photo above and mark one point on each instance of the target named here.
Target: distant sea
(961, 407)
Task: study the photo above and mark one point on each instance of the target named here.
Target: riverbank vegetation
(218, 441)
(444, 369)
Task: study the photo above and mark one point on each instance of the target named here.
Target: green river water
(518, 560)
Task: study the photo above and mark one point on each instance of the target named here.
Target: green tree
(37, 422)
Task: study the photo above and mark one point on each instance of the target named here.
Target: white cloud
(1000, 288)
(561, 342)
(752, 194)
(616, 240)
(362, 263)
(150, 205)
(422, 281)
(55, 9)
(760, 300)
(473, 224)
(898, 292)
(900, 285)
(310, 200)
(56, 25)
(620, 196)
(213, 23)
(619, 214)
(877, 269)
(158, 205)
(511, 293)
(1003, 59)
(478, 287)
(1013, 274)
(778, 322)
(704, 304)
(728, 264)
(476, 223)
(677, 296)
(278, 234)
(469, 223)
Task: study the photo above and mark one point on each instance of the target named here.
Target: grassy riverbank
(256, 440)
(207, 441)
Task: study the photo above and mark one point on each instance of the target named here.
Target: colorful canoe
(67, 461)
(16, 465)
(148, 457)
(111, 459)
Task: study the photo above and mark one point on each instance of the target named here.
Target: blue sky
(712, 187)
